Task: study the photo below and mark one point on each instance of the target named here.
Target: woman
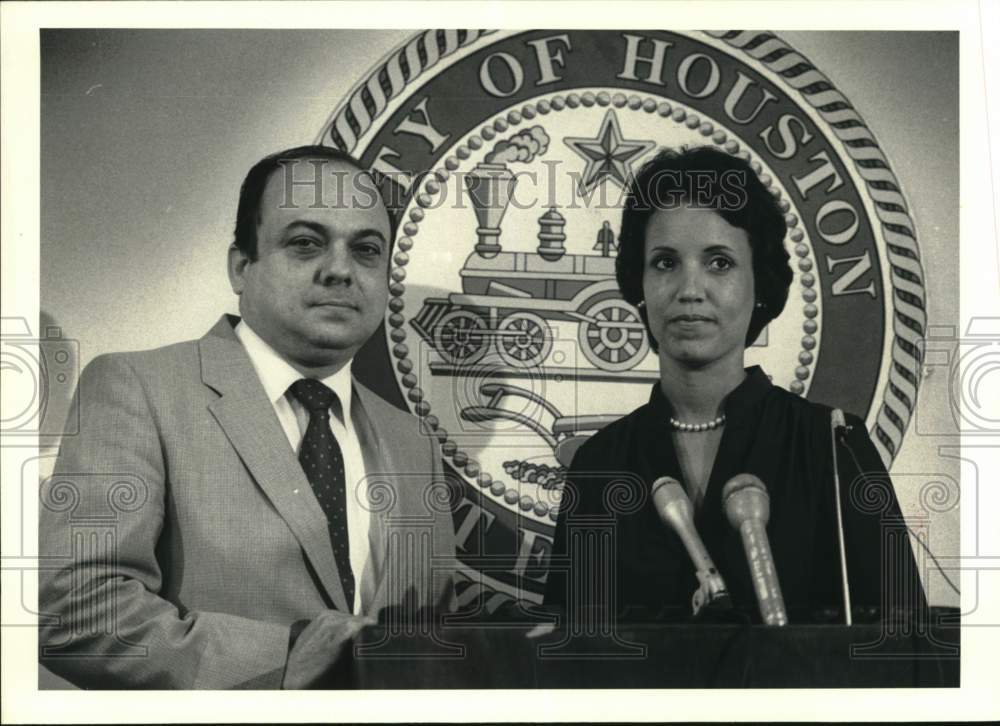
(701, 256)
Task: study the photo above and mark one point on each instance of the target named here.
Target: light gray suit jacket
(181, 538)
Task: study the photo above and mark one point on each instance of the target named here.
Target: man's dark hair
(248, 209)
(708, 178)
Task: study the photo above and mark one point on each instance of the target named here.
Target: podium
(873, 655)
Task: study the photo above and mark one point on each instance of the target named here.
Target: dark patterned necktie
(323, 464)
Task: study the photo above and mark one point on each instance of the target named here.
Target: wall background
(146, 136)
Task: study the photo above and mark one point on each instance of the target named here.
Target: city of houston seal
(506, 335)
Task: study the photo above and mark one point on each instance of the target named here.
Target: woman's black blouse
(786, 442)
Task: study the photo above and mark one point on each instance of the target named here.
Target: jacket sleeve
(557, 580)
(104, 622)
(578, 498)
(446, 599)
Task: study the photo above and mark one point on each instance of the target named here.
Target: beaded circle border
(390, 77)
(424, 199)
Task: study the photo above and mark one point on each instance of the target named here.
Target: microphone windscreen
(674, 508)
(672, 502)
(745, 497)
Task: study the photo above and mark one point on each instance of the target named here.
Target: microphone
(838, 430)
(674, 508)
(839, 424)
(747, 507)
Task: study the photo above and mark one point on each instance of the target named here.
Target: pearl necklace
(695, 428)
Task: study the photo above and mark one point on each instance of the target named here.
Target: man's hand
(319, 646)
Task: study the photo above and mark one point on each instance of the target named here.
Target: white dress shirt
(276, 375)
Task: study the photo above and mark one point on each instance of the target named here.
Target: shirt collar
(277, 374)
(742, 398)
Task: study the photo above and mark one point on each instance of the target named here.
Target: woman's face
(698, 285)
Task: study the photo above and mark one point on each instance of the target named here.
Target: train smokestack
(550, 235)
(490, 186)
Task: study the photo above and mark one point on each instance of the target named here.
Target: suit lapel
(378, 463)
(397, 459)
(248, 419)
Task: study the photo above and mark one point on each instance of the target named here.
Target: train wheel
(616, 341)
(524, 340)
(462, 337)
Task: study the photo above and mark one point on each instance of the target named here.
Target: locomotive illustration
(510, 299)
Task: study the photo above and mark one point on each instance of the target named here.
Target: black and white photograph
(591, 366)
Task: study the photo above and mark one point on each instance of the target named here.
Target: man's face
(318, 288)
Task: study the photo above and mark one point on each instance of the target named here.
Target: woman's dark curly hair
(707, 177)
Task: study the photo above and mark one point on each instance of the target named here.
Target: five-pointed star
(608, 155)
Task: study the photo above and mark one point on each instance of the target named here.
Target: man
(224, 517)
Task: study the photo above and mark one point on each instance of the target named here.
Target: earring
(759, 305)
(641, 304)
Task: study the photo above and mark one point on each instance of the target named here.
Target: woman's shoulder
(784, 413)
(612, 440)
(780, 399)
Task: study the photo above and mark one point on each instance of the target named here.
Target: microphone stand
(838, 424)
